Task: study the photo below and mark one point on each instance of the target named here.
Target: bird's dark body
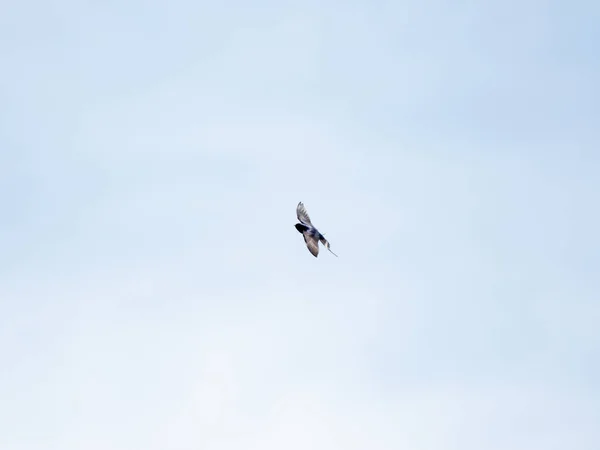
(308, 230)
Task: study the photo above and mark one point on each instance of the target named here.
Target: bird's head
(301, 228)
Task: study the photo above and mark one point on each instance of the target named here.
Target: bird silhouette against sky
(311, 235)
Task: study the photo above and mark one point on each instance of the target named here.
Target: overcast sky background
(154, 293)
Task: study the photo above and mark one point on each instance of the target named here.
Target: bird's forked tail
(325, 242)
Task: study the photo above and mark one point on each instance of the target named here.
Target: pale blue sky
(154, 294)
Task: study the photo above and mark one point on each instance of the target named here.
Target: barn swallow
(311, 235)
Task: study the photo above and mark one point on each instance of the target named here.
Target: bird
(311, 235)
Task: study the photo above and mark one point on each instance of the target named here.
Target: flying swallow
(311, 235)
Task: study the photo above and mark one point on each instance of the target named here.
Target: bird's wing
(302, 214)
(325, 242)
(312, 243)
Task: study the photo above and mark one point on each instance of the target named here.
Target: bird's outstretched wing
(302, 214)
(312, 243)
